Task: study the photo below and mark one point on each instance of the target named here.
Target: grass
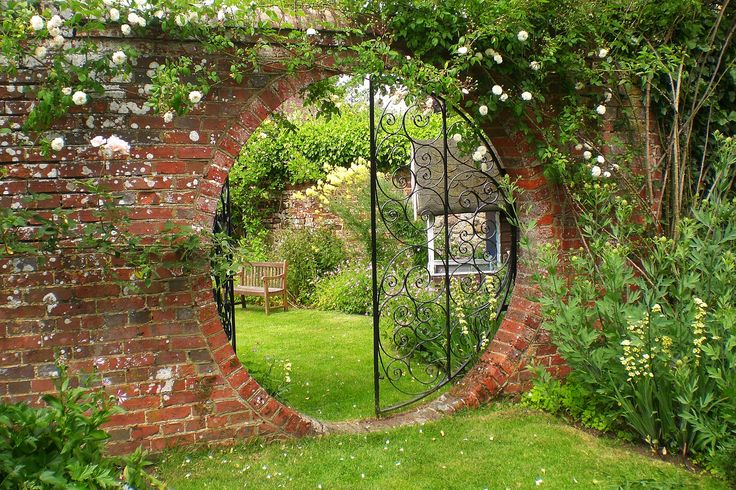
(487, 448)
(331, 356)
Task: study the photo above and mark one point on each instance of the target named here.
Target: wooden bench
(263, 279)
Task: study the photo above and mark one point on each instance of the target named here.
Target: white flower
(503, 97)
(609, 95)
(497, 90)
(116, 147)
(479, 55)
(477, 156)
(66, 91)
(40, 51)
(535, 65)
(482, 150)
(181, 20)
(457, 137)
(55, 22)
(601, 109)
(465, 91)
(79, 98)
(491, 52)
(578, 147)
(159, 14)
(526, 96)
(607, 174)
(54, 31)
(522, 36)
(57, 41)
(587, 155)
(195, 96)
(483, 110)
(595, 171)
(498, 58)
(125, 29)
(57, 144)
(600, 159)
(602, 53)
(37, 22)
(311, 31)
(168, 117)
(462, 50)
(118, 57)
(579, 86)
(98, 141)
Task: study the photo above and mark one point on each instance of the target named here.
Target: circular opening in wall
(318, 230)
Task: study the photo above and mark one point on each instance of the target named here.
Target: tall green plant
(654, 342)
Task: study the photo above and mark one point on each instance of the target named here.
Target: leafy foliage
(310, 254)
(348, 290)
(654, 342)
(62, 444)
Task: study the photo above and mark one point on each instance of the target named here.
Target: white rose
(66, 91)
(55, 21)
(535, 65)
(57, 144)
(168, 117)
(457, 137)
(497, 90)
(195, 96)
(159, 14)
(114, 15)
(602, 53)
(40, 51)
(600, 159)
(181, 20)
(118, 57)
(54, 31)
(98, 141)
(57, 41)
(503, 97)
(483, 110)
(490, 52)
(587, 155)
(607, 174)
(37, 22)
(79, 98)
(479, 56)
(578, 147)
(462, 50)
(595, 171)
(477, 156)
(522, 36)
(311, 31)
(133, 18)
(141, 3)
(601, 109)
(482, 150)
(125, 29)
(526, 96)
(498, 58)
(116, 146)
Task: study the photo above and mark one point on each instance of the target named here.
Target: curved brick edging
(162, 351)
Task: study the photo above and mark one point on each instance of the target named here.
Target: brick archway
(519, 340)
(162, 351)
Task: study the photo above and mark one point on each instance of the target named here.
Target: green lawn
(330, 353)
(506, 448)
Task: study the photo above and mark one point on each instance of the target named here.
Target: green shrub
(310, 254)
(348, 290)
(556, 397)
(62, 444)
(654, 342)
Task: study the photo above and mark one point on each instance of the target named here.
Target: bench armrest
(268, 278)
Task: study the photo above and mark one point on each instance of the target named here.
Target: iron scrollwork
(444, 247)
(223, 287)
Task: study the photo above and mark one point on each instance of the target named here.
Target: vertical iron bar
(374, 259)
(230, 285)
(446, 209)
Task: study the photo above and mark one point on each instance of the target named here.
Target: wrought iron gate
(223, 281)
(443, 246)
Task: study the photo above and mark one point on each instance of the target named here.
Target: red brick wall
(162, 351)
